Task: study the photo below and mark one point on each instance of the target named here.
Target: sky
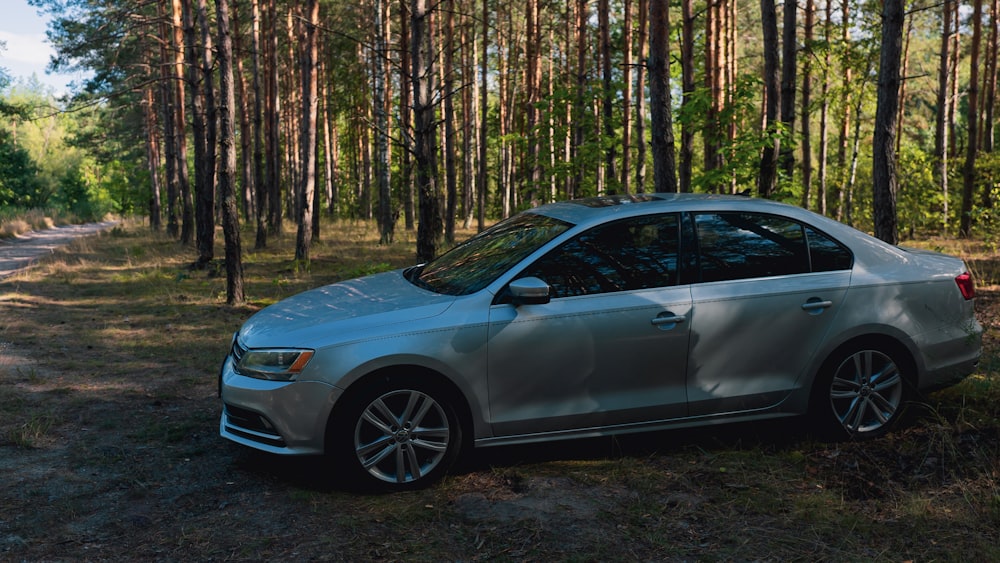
(28, 51)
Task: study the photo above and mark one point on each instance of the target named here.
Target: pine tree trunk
(789, 52)
(227, 170)
(450, 163)
(167, 102)
(687, 92)
(884, 148)
(640, 105)
(425, 131)
(664, 168)
(307, 124)
(259, 178)
(768, 174)
(942, 118)
(382, 163)
(628, 63)
(481, 176)
(972, 147)
(807, 169)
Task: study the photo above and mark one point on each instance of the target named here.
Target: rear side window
(733, 246)
(826, 254)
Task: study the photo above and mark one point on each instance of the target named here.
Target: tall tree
(310, 100)
(272, 119)
(425, 130)
(640, 104)
(607, 103)
(972, 146)
(768, 175)
(184, 185)
(385, 220)
(789, 63)
(450, 164)
(687, 93)
(884, 178)
(942, 117)
(481, 174)
(824, 115)
(406, 114)
(202, 94)
(664, 168)
(262, 195)
(806, 105)
(626, 181)
(227, 169)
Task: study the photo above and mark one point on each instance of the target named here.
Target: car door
(769, 291)
(608, 348)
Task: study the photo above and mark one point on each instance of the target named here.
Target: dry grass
(109, 447)
(14, 224)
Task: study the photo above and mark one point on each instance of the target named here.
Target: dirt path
(19, 253)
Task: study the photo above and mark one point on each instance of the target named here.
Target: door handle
(667, 319)
(814, 305)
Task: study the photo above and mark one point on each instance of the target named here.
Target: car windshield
(475, 263)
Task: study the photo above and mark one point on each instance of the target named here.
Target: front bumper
(281, 417)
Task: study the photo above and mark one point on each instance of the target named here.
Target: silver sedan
(602, 316)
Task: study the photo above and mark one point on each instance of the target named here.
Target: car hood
(340, 311)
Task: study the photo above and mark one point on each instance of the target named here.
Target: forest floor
(109, 446)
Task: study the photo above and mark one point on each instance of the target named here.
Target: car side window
(734, 246)
(629, 254)
(826, 254)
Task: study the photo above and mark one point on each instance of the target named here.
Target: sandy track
(19, 253)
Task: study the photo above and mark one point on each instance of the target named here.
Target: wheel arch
(399, 374)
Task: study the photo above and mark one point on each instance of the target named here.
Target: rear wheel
(860, 393)
(398, 435)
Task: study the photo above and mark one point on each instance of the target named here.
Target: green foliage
(919, 203)
(19, 185)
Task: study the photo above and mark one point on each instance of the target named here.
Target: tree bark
(884, 148)
(202, 91)
(687, 93)
(425, 131)
(767, 179)
(272, 122)
(664, 168)
(640, 104)
(807, 169)
(627, 64)
(607, 103)
(152, 157)
(972, 147)
(386, 223)
(450, 163)
(789, 51)
(481, 176)
(307, 124)
(406, 115)
(227, 170)
(943, 106)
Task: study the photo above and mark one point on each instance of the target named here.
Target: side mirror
(529, 291)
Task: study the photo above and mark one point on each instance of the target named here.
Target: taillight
(966, 285)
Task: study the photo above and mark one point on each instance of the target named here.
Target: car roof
(600, 208)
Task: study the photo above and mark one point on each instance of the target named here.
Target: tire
(397, 436)
(860, 393)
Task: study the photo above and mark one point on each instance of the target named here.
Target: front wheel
(398, 436)
(860, 394)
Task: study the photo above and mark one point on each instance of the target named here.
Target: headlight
(275, 364)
